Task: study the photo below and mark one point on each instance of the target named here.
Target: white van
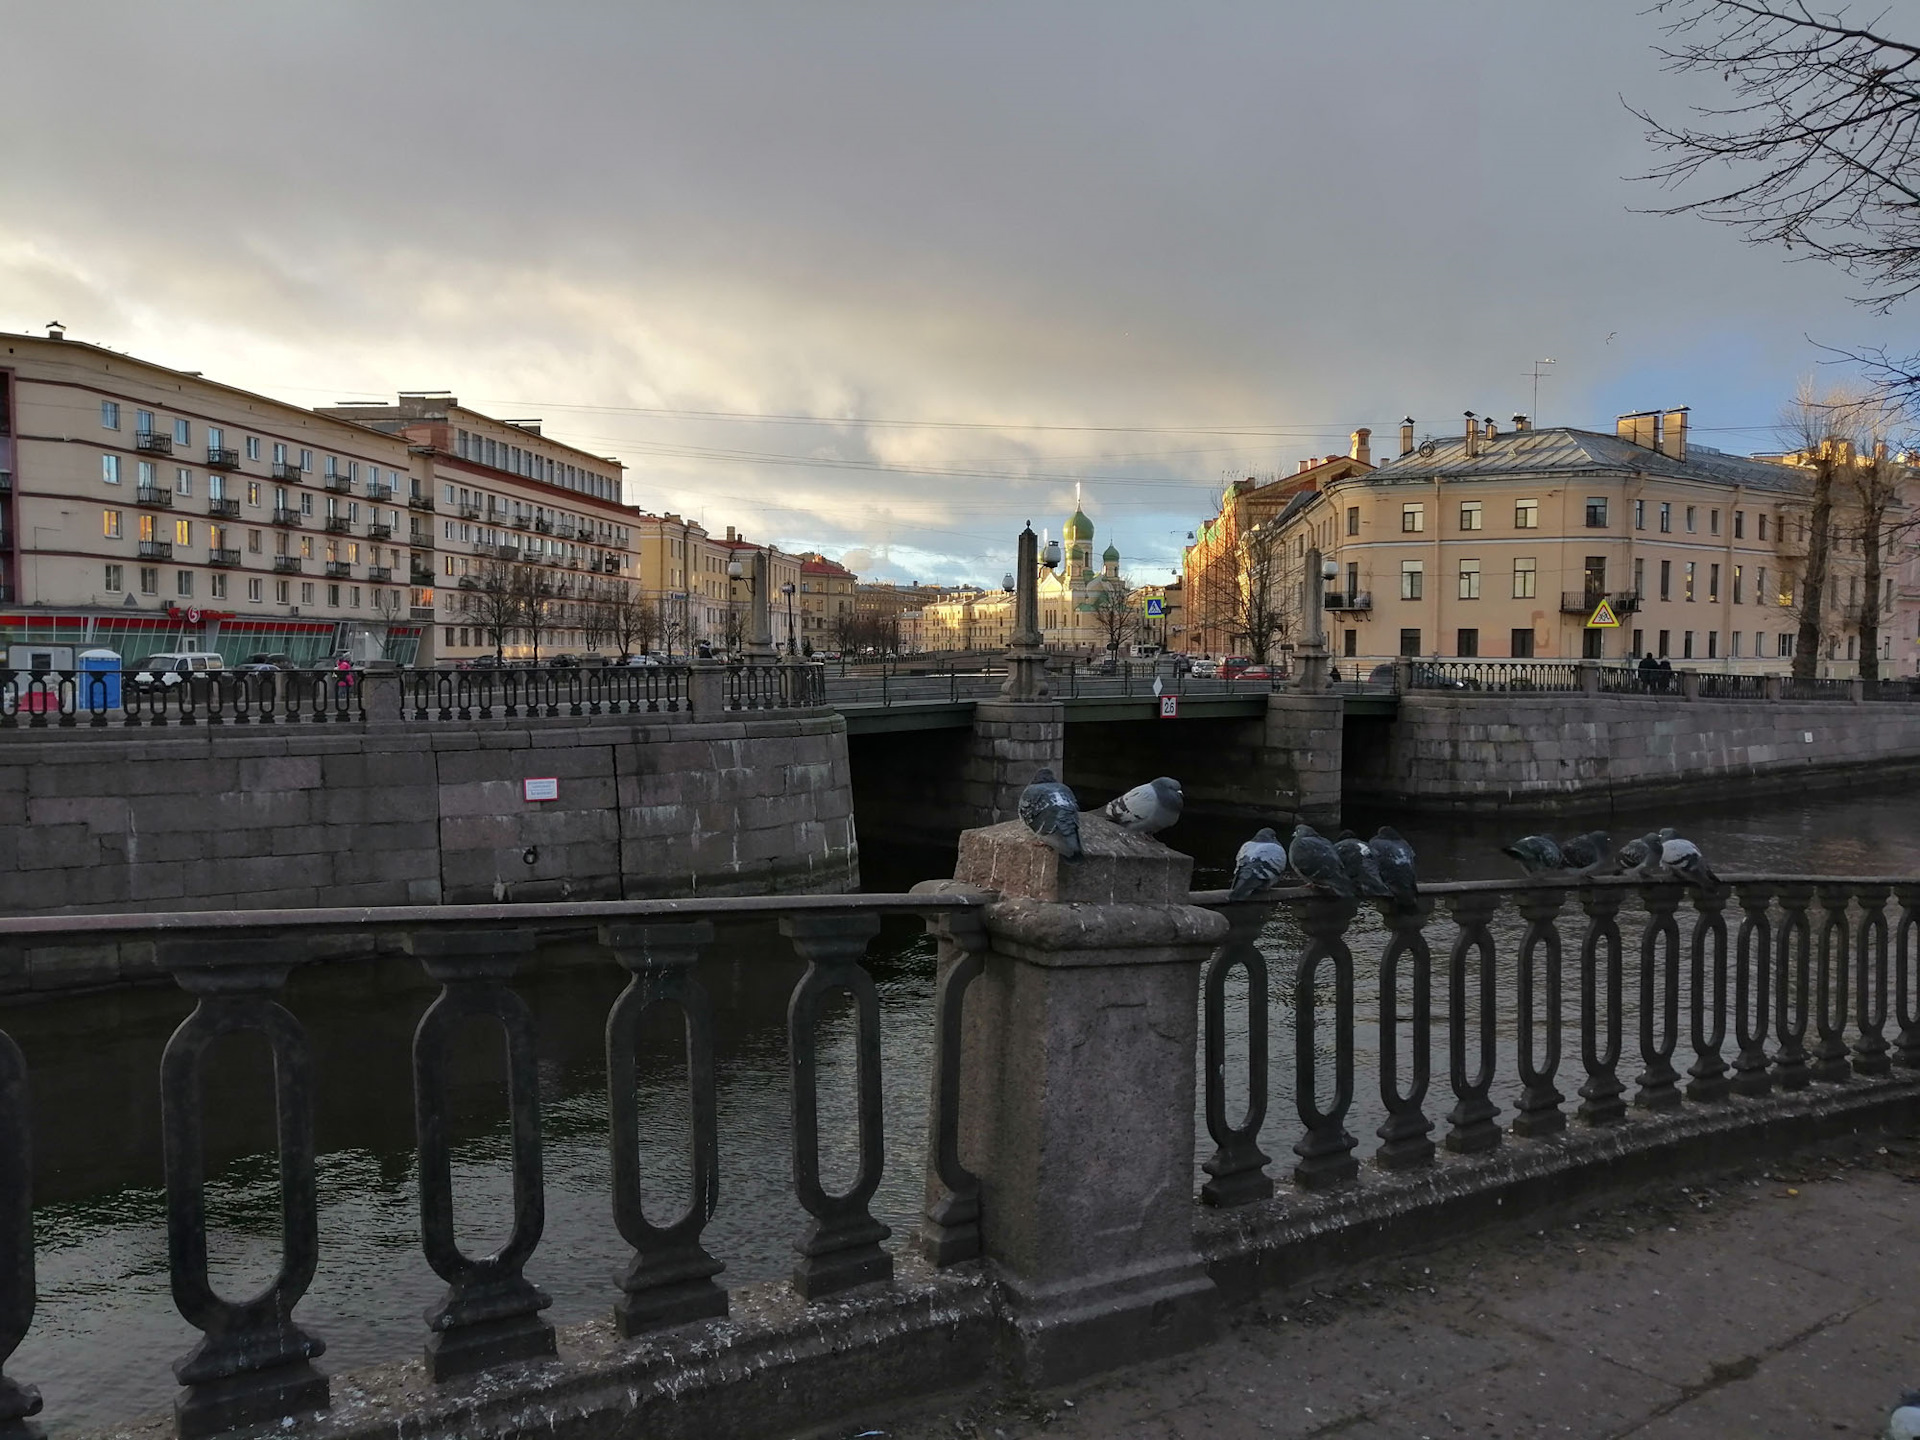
(174, 667)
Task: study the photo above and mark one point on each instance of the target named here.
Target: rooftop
(1564, 448)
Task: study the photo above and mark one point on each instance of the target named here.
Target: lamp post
(787, 590)
(1026, 656)
(736, 572)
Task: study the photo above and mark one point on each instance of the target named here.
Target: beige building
(828, 607)
(962, 619)
(1502, 546)
(148, 510)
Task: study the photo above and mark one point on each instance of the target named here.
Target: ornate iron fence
(97, 699)
(1508, 676)
(1718, 685)
(776, 687)
(562, 690)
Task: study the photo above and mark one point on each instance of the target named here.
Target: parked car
(176, 668)
(1205, 669)
(1254, 672)
(269, 660)
(1234, 666)
(643, 662)
(1425, 677)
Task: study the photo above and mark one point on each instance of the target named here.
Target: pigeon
(1904, 1423)
(1147, 809)
(1641, 858)
(1259, 865)
(1684, 860)
(1049, 810)
(1536, 853)
(1588, 854)
(1315, 861)
(1363, 866)
(1395, 857)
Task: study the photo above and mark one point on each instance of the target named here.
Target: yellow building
(827, 609)
(963, 619)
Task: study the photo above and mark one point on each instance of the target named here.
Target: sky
(888, 280)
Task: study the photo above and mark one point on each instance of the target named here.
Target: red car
(1234, 666)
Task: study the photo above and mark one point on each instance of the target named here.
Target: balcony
(377, 491)
(522, 522)
(505, 552)
(420, 577)
(1349, 600)
(222, 459)
(1585, 602)
(380, 530)
(339, 570)
(283, 516)
(566, 530)
(339, 484)
(287, 564)
(225, 509)
(379, 575)
(420, 502)
(420, 612)
(156, 549)
(543, 525)
(469, 512)
(339, 525)
(6, 482)
(420, 539)
(155, 496)
(152, 442)
(223, 557)
(467, 582)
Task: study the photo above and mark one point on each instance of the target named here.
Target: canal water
(106, 1331)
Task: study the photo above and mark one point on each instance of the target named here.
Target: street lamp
(787, 590)
(735, 573)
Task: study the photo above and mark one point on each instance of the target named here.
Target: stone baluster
(253, 1363)
(1752, 953)
(1471, 1121)
(1707, 1005)
(1326, 1147)
(18, 1403)
(1238, 1164)
(1601, 1096)
(491, 1312)
(1658, 1084)
(1832, 979)
(1871, 952)
(1791, 987)
(1906, 957)
(670, 1278)
(1538, 1112)
(950, 1224)
(1406, 1136)
(841, 1247)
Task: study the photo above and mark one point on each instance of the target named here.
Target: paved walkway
(1783, 1303)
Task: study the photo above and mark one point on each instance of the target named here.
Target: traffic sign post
(1156, 607)
(1603, 617)
(1169, 707)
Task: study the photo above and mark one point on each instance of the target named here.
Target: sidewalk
(1783, 1303)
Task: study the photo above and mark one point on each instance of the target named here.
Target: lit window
(110, 524)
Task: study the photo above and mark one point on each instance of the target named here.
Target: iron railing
(1719, 685)
(776, 687)
(1539, 677)
(98, 699)
(1815, 689)
(562, 690)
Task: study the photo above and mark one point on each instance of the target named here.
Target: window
(279, 454)
(1713, 644)
(1639, 642)
(1526, 514)
(333, 596)
(253, 542)
(149, 579)
(253, 453)
(144, 476)
(1713, 527)
(1467, 644)
(1736, 585)
(1413, 519)
(1733, 643)
(1350, 643)
(216, 438)
(1639, 514)
(1713, 582)
(1760, 587)
(306, 503)
(1739, 533)
(1596, 512)
(1686, 645)
(1353, 522)
(306, 462)
(306, 592)
(109, 414)
(1412, 579)
(1639, 583)
(1593, 644)
(116, 579)
(1520, 644)
(183, 583)
(110, 469)
(1787, 642)
(217, 586)
(1469, 579)
(1524, 579)
(1409, 642)
(1763, 524)
(253, 493)
(1687, 594)
(147, 531)
(282, 592)
(1666, 579)
(183, 532)
(110, 524)
(1666, 519)
(1666, 644)
(1692, 519)
(1785, 598)
(183, 482)
(182, 432)
(1469, 514)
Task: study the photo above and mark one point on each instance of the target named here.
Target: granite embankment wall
(396, 814)
(1482, 752)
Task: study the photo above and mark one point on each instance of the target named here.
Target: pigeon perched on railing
(1259, 865)
(1147, 809)
(1588, 854)
(1904, 1423)
(1395, 857)
(1682, 858)
(1048, 808)
(1640, 859)
(1363, 866)
(1315, 861)
(1537, 854)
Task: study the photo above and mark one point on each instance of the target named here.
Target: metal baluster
(1538, 1112)
(841, 1248)
(510, 686)
(1752, 952)
(17, 1401)
(1870, 1003)
(1791, 989)
(253, 1363)
(1906, 1046)
(1707, 1076)
(1600, 1095)
(1407, 1134)
(491, 1312)
(549, 683)
(1326, 1149)
(1832, 977)
(67, 697)
(1237, 1165)
(1471, 1120)
(950, 1226)
(485, 684)
(670, 1279)
(1659, 1083)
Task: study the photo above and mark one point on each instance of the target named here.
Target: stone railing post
(707, 689)
(382, 697)
(1589, 677)
(1689, 685)
(1773, 687)
(1857, 690)
(1402, 675)
(1077, 1091)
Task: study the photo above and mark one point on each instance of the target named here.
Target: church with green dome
(1074, 595)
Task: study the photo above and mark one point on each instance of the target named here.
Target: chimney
(1406, 436)
(1520, 424)
(1673, 434)
(1641, 428)
(1473, 436)
(1304, 466)
(730, 535)
(56, 331)
(1493, 432)
(1360, 447)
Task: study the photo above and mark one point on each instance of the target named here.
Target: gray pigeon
(1588, 854)
(1363, 866)
(1904, 1423)
(1640, 859)
(1395, 857)
(1315, 861)
(1536, 853)
(1049, 810)
(1147, 809)
(1259, 865)
(1682, 858)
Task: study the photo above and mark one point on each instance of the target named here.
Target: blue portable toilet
(98, 683)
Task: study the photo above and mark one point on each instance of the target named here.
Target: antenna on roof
(1536, 388)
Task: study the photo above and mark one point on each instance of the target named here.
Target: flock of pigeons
(1347, 866)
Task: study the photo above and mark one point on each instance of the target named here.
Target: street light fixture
(787, 590)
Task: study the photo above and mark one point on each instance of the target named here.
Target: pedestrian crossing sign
(1603, 618)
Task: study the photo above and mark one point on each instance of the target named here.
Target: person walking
(1649, 672)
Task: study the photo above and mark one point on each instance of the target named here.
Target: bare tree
(1260, 611)
(1819, 428)
(490, 599)
(1110, 599)
(671, 621)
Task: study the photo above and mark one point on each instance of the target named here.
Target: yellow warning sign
(1603, 618)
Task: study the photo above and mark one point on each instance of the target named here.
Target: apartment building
(146, 509)
(497, 512)
(828, 604)
(963, 619)
(1503, 545)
